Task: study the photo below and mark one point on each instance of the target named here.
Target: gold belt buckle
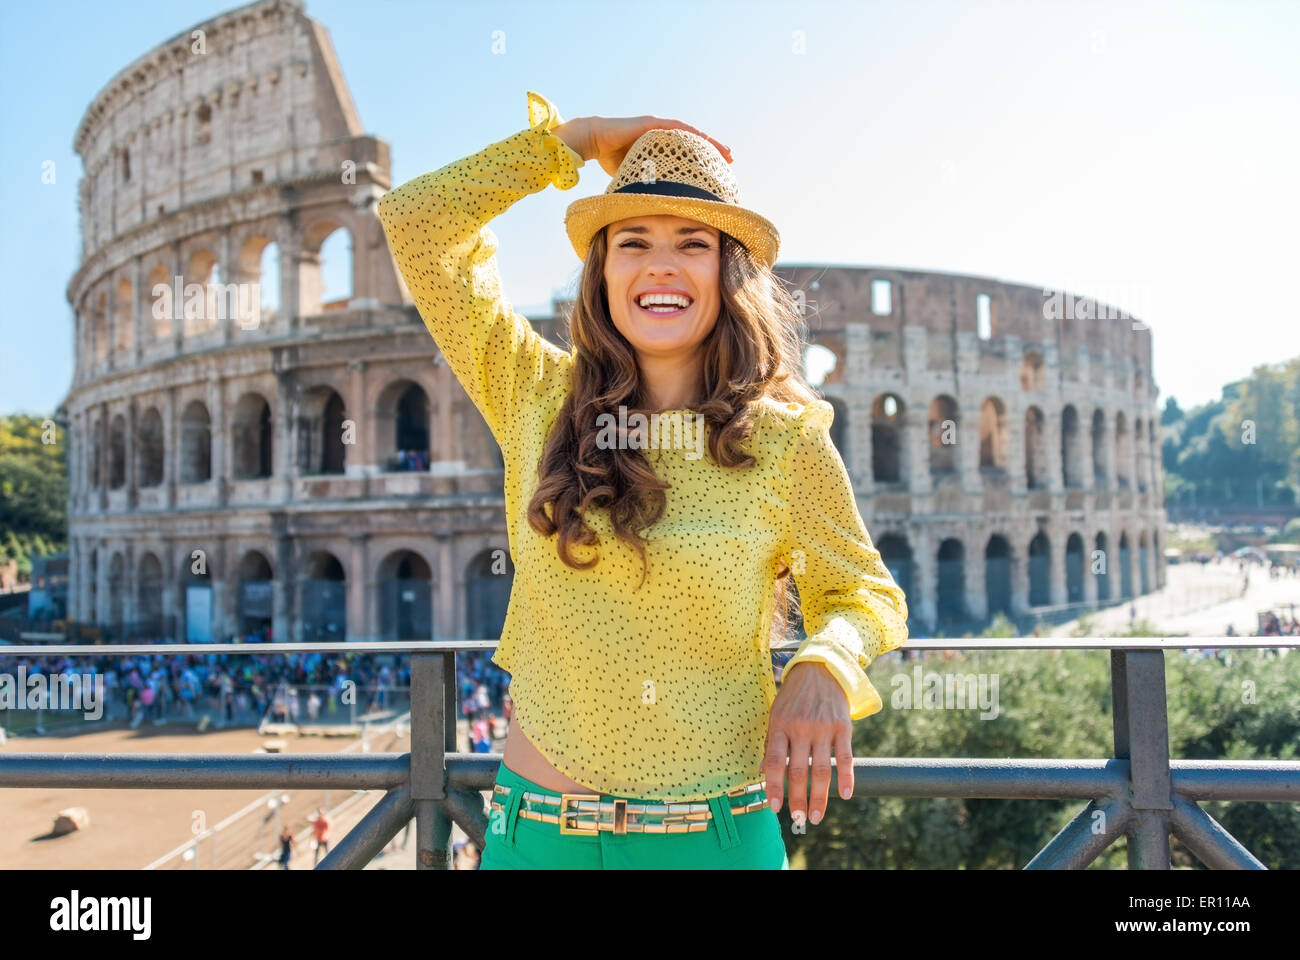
(620, 816)
(580, 829)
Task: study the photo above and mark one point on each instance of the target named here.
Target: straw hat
(679, 173)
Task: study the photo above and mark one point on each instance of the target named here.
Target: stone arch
(93, 613)
(1122, 441)
(1144, 580)
(160, 295)
(1155, 452)
(1102, 566)
(405, 580)
(997, 574)
(1099, 448)
(97, 454)
(149, 458)
(1125, 566)
(951, 605)
(993, 435)
(117, 452)
(250, 446)
(149, 595)
(124, 317)
(1074, 569)
(945, 430)
(200, 312)
(195, 583)
(887, 449)
(488, 580)
(403, 417)
(259, 263)
(1140, 451)
(116, 591)
(316, 267)
(196, 443)
(1071, 447)
(256, 597)
(1035, 449)
(324, 598)
(321, 449)
(1040, 570)
(99, 329)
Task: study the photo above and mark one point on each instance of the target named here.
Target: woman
(287, 843)
(651, 573)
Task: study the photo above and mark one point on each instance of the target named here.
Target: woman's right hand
(607, 139)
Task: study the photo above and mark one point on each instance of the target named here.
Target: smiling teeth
(665, 302)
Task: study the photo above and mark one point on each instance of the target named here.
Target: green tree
(33, 488)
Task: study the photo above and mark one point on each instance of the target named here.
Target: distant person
(228, 697)
(482, 737)
(321, 828)
(286, 847)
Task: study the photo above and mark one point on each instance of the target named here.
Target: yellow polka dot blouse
(662, 692)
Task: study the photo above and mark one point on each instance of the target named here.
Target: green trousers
(751, 841)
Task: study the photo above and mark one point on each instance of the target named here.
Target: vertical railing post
(1141, 727)
(429, 723)
(442, 822)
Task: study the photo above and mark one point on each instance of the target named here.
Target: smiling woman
(641, 674)
(661, 283)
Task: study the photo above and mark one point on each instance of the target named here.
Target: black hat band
(669, 188)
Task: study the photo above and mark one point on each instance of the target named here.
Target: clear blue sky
(1099, 146)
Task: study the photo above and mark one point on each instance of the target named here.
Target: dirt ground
(131, 828)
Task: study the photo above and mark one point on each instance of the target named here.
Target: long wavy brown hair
(754, 350)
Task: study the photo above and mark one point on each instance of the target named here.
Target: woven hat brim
(587, 216)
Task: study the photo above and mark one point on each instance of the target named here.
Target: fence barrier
(1141, 792)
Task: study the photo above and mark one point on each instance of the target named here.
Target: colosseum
(249, 449)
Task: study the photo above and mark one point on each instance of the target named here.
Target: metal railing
(1140, 792)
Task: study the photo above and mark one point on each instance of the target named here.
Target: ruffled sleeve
(853, 610)
(436, 226)
(543, 117)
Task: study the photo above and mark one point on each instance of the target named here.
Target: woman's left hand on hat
(607, 139)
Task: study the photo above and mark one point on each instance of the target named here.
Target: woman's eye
(629, 243)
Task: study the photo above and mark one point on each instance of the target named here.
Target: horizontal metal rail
(1141, 793)
(211, 771)
(456, 646)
